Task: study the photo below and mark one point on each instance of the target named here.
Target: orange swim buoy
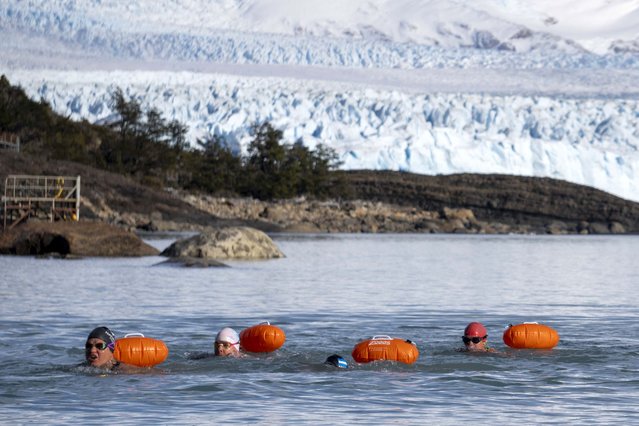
(381, 348)
(531, 335)
(262, 337)
(135, 349)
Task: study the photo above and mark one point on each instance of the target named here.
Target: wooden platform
(44, 197)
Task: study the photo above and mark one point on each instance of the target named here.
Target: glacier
(431, 87)
(592, 141)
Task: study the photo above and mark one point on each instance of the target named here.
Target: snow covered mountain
(544, 88)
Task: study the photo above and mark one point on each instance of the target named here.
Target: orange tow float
(262, 337)
(531, 335)
(381, 348)
(135, 349)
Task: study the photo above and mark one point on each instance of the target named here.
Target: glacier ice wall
(583, 140)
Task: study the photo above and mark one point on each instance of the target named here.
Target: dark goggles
(99, 346)
(475, 340)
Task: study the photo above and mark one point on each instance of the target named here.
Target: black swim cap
(105, 334)
(336, 361)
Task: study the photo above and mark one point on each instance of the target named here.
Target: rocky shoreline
(354, 216)
(72, 239)
(378, 202)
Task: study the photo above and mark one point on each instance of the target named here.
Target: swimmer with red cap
(475, 338)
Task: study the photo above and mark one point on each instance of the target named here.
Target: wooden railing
(9, 141)
(43, 197)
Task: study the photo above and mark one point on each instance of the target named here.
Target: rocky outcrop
(241, 243)
(73, 239)
(312, 216)
(408, 212)
(520, 204)
(376, 202)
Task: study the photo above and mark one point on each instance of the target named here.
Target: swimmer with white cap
(227, 343)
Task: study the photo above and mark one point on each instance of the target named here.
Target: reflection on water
(328, 293)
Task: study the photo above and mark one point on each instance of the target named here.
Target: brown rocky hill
(117, 199)
(379, 202)
(538, 203)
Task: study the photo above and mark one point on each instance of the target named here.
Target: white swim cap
(227, 334)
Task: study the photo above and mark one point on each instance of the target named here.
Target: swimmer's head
(475, 329)
(95, 348)
(104, 334)
(475, 337)
(227, 342)
(337, 361)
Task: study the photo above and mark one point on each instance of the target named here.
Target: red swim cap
(475, 329)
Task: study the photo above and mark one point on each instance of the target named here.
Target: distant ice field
(426, 86)
(583, 138)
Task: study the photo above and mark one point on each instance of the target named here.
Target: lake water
(330, 292)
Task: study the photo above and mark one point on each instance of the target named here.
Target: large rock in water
(242, 243)
(73, 238)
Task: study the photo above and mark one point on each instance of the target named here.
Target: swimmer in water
(475, 338)
(336, 361)
(227, 343)
(99, 348)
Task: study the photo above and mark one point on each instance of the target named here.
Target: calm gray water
(327, 294)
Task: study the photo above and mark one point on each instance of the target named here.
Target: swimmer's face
(98, 354)
(473, 343)
(226, 349)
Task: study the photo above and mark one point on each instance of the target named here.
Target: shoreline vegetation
(139, 173)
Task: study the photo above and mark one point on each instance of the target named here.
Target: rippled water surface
(327, 294)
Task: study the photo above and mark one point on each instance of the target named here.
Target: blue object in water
(337, 361)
